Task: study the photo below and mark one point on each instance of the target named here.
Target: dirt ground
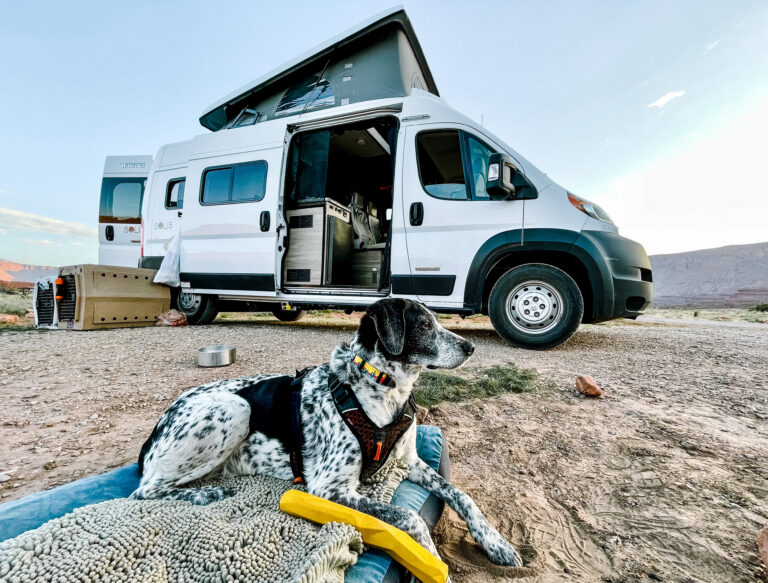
(665, 478)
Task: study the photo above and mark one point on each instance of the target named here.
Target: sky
(656, 110)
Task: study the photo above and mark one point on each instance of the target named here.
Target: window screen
(241, 183)
(174, 194)
(440, 167)
(309, 93)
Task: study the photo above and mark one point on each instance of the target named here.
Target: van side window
(237, 183)
(174, 194)
(249, 182)
(440, 168)
(478, 159)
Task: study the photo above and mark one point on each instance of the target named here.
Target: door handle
(264, 221)
(417, 214)
(109, 233)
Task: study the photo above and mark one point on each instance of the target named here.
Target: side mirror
(505, 181)
(501, 170)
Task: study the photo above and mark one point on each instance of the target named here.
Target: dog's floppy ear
(389, 318)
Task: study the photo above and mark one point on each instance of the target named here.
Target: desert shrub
(15, 303)
(434, 387)
(759, 308)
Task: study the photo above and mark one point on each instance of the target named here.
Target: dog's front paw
(500, 552)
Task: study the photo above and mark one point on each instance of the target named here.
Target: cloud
(13, 219)
(666, 98)
(711, 46)
(2, 231)
(43, 242)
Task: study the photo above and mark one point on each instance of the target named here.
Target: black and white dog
(211, 427)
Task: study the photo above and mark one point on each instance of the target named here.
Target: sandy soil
(665, 478)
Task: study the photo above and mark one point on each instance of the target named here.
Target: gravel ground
(664, 478)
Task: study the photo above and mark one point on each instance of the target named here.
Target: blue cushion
(372, 567)
(36, 509)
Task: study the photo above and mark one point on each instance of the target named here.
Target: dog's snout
(468, 347)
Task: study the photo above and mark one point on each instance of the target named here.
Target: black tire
(288, 315)
(200, 309)
(548, 301)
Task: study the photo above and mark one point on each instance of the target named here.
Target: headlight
(590, 209)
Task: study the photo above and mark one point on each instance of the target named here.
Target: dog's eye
(425, 326)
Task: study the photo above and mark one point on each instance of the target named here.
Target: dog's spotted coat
(207, 428)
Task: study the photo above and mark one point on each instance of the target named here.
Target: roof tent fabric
(376, 60)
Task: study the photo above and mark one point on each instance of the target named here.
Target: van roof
(361, 38)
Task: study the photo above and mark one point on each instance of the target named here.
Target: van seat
(365, 225)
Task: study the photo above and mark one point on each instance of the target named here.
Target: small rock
(94, 416)
(686, 445)
(654, 577)
(762, 546)
(4, 478)
(50, 465)
(749, 456)
(586, 385)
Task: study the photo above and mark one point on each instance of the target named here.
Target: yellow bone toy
(396, 543)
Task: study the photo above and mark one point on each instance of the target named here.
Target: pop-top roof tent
(379, 58)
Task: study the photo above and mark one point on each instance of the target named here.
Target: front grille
(67, 304)
(44, 303)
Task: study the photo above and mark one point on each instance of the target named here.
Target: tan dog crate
(102, 296)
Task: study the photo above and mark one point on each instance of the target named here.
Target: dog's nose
(468, 347)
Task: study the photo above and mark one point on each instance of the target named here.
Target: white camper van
(122, 191)
(343, 177)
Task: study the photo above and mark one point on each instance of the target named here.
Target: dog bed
(372, 566)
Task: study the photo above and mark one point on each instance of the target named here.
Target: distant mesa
(735, 276)
(22, 276)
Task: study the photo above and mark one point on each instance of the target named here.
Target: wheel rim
(534, 307)
(189, 303)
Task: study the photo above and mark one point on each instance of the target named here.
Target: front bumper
(627, 279)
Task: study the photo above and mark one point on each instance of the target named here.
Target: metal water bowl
(216, 355)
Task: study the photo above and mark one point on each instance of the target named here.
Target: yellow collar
(378, 376)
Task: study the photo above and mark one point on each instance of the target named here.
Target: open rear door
(122, 190)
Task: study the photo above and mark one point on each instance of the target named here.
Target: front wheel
(536, 306)
(199, 308)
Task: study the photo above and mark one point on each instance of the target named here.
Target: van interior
(337, 196)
